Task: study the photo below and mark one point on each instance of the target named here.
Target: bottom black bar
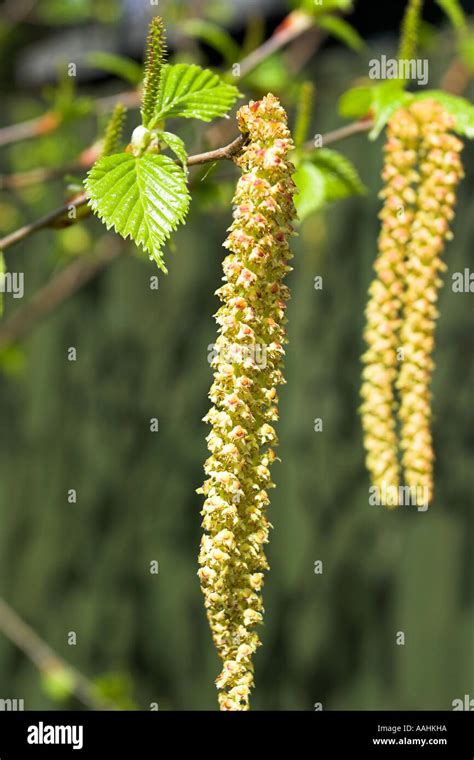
(118, 734)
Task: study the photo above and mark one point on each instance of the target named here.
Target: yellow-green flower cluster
(422, 168)
(440, 170)
(384, 305)
(248, 368)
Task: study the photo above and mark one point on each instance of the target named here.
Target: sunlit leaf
(379, 101)
(356, 102)
(460, 108)
(143, 198)
(193, 93)
(387, 98)
(310, 183)
(325, 176)
(175, 144)
(341, 178)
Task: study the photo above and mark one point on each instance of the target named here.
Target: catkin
(383, 312)
(440, 171)
(421, 170)
(248, 369)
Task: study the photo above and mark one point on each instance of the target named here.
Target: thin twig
(41, 125)
(87, 158)
(227, 152)
(354, 128)
(60, 217)
(290, 29)
(50, 121)
(65, 215)
(83, 269)
(45, 658)
(37, 176)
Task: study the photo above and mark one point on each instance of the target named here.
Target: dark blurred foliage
(142, 353)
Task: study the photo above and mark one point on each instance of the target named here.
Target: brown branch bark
(342, 133)
(61, 217)
(71, 279)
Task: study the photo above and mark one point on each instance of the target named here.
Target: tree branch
(61, 217)
(50, 121)
(294, 25)
(354, 128)
(86, 160)
(46, 659)
(83, 269)
(57, 218)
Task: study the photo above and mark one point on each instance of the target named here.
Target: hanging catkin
(422, 168)
(440, 171)
(384, 306)
(248, 369)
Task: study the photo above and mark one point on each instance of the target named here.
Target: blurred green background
(328, 638)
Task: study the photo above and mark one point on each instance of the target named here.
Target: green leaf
(118, 65)
(12, 360)
(193, 93)
(310, 183)
(455, 13)
(379, 101)
(342, 30)
(58, 683)
(143, 198)
(175, 144)
(323, 177)
(460, 108)
(341, 178)
(356, 102)
(387, 98)
(384, 99)
(214, 36)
